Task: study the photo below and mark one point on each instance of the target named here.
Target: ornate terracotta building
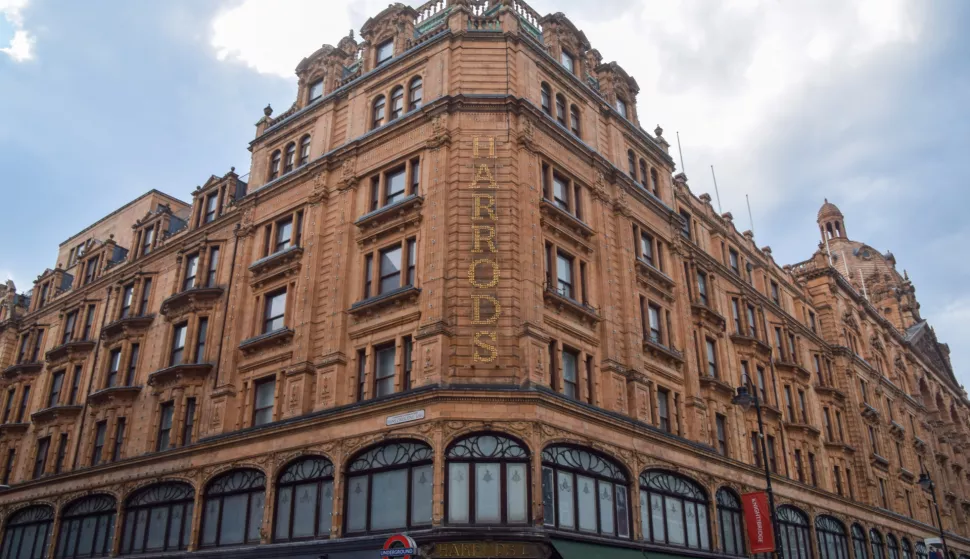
(463, 295)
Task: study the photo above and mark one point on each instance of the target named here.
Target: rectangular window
(774, 293)
(274, 310)
(178, 344)
(200, 340)
(663, 411)
(191, 269)
(818, 370)
(873, 439)
(114, 363)
(69, 321)
(685, 226)
(837, 477)
(762, 391)
(368, 275)
(734, 261)
(793, 348)
(756, 449)
(702, 288)
(90, 270)
(88, 323)
(567, 62)
(564, 275)
(384, 369)
(55, 394)
(126, 300)
(864, 390)
(263, 406)
(811, 321)
(61, 454)
(132, 365)
(24, 401)
(412, 261)
(361, 374)
(570, 373)
(40, 459)
(621, 108)
(799, 470)
(284, 235)
(6, 410)
(385, 51)
(119, 439)
(211, 206)
(395, 186)
(560, 193)
(752, 324)
(390, 269)
(789, 406)
(316, 91)
(589, 379)
(711, 358)
(646, 248)
(899, 454)
(146, 291)
(22, 353)
(882, 494)
(75, 385)
(38, 345)
(838, 422)
(165, 426)
(720, 423)
(406, 365)
(801, 402)
(736, 315)
(772, 461)
(848, 482)
(99, 433)
(210, 276)
(188, 422)
(811, 469)
(653, 314)
(828, 424)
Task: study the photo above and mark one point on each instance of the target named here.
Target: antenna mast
(750, 219)
(682, 168)
(716, 191)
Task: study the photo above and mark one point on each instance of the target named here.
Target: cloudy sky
(864, 102)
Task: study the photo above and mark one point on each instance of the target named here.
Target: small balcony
(805, 428)
(800, 373)
(112, 395)
(879, 461)
(64, 351)
(279, 264)
(565, 223)
(919, 444)
(24, 369)
(13, 429)
(53, 413)
(839, 446)
(906, 475)
(391, 216)
(178, 374)
(269, 340)
(896, 429)
(653, 275)
(563, 302)
(178, 303)
(124, 326)
(825, 390)
(716, 384)
(395, 297)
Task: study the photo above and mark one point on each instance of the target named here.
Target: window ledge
(178, 302)
(123, 326)
(278, 337)
(283, 263)
(13, 428)
(70, 348)
(830, 391)
(750, 341)
(803, 427)
(919, 444)
(879, 461)
(113, 394)
(549, 208)
(390, 211)
(52, 413)
(13, 371)
(907, 475)
(652, 274)
(177, 373)
(395, 296)
(583, 311)
(868, 411)
(658, 350)
(788, 366)
(836, 445)
(897, 429)
(710, 315)
(717, 384)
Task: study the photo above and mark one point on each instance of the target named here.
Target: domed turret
(831, 222)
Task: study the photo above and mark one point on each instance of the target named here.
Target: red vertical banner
(757, 521)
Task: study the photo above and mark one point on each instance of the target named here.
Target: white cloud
(21, 44)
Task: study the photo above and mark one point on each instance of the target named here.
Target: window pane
(390, 269)
(156, 528)
(175, 527)
(487, 493)
(605, 492)
(395, 186)
(548, 497)
(657, 517)
(326, 509)
(622, 512)
(727, 533)
(357, 504)
(586, 493)
(255, 515)
(233, 520)
(516, 492)
(210, 522)
(283, 505)
(264, 394)
(644, 516)
(458, 493)
(187, 525)
(703, 527)
(304, 511)
(422, 488)
(691, 512)
(564, 485)
(675, 521)
(388, 500)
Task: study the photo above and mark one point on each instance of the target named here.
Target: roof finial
(268, 110)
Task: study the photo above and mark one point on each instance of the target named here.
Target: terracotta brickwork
(478, 229)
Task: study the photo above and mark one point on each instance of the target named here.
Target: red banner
(757, 520)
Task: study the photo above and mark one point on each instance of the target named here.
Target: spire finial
(268, 110)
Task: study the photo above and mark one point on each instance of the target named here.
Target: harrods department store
(464, 294)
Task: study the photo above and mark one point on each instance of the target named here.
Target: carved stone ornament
(319, 192)
(348, 170)
(439, 134)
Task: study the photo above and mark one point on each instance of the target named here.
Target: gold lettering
(473, 273)
(484, 174)
(488, 207)
(490, 238)
(491, 146)
(477, 308)
(491, 349)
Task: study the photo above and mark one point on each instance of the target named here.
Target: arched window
(793, 533)
(875, 541)
(921, 552)
(274, 165)
(234, 508)
(907, 549)
(833, 543)
(632, 160)
(546, 98)
(574, 119)
(415, 94)
(87, 527)
(377, 113)
(304, 500)
(892, 546)
(643, 172)
(654, 182)
(859, 548)
(584, 491)
(397, 103)
(488, 481)
(304, 150)
(561, 109)
(158, 518)
(390, 487)
(729, 521)
(28, 533)
(290, 159)
(673, 510)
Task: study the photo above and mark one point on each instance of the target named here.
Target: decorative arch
(673, 510)
(154, 510)
(87, 527)
(488, 480)
(415, 93)
(304, 499)
(605, 488)
(377, 112)
(876, 543)
(892, 545)
(389, 486)
(27, 532)
(793, 533)
(729, 521)
(860, 548)
(831, 537)
(233, 508)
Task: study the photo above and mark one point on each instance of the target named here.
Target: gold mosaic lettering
(484, 174)
(477, 309)
(473, 268)
(488, 238)
(491, 349)
(489, 207)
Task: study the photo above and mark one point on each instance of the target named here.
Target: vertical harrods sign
(483, 269)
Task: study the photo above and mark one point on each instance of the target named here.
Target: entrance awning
(580, 550)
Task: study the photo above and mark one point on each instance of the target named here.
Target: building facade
(463, 295)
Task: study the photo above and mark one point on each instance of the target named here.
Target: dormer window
(147, 239)
(621, 108)
(385, 51)
(567, 62)
(211, 205)
(316, 91)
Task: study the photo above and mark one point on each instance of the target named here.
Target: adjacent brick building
(463, 294)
